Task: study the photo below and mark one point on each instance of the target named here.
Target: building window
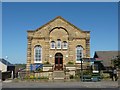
(65, 45)
(58, 44)
(52, 45)
(37, 54)
(79, 53)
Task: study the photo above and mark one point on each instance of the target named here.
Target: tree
(116, 62)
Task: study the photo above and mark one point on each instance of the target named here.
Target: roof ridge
(6, 62)
(108, 51)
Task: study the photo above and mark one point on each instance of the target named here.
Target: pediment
(59, 22)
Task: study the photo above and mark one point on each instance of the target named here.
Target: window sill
(79, 61)
(58, 48)
(37, 61)
(52, 48)
(64, 48)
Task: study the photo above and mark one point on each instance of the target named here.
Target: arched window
(65, 45)
(58, 44)
(79, 53)
(52, 45)
(37, 54)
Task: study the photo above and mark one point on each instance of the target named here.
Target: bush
(47, 62)
(87, 72)
(26, 77)
(71, 77)
(70, 62)
(32, 77)
(38, 78)
(39, 70)
(105, 76)
(43, 77)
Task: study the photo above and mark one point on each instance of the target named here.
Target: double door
(58, 61)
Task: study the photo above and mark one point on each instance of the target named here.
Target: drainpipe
(81, 67)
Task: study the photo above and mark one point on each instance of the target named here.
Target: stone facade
(56, 29)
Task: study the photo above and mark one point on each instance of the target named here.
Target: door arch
(58, 61)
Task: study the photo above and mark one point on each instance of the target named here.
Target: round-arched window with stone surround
(58, 44)
(65, 45)
(52, 45)
(79, 53)
(37, 54)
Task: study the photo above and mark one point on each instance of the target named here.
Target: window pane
(64, 45)
(38, 53)
(79, 53)
(52, 45)
(59, 44)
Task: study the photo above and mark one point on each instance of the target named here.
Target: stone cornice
(79, 38)
(38, 37)
(82, 38)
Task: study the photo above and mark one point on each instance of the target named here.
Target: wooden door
(58, 61)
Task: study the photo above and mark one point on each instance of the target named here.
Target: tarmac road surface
(101, 84)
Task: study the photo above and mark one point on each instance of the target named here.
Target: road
(101, 84)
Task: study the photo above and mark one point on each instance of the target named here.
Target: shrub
(105, 76)
(71, 77)
(32, 77)
(39, 70)
(47, 62)
(87, 72)
(43, 77)
(38, 78)
(70, 62)
(26, 77)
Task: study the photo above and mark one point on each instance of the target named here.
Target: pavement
(61, 84)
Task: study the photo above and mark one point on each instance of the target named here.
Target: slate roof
(5, 62)
(89, 59)
(106, 56)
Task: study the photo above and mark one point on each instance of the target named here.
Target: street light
(81, 67)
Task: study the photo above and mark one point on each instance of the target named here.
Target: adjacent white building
(5, 65)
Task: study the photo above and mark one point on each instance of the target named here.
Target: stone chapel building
(57, 42)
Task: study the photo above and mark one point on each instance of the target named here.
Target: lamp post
(81, 67)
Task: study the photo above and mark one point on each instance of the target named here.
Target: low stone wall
(72, 72)
(42, 74)
(48, 75)
(71, 68)
(47, 67)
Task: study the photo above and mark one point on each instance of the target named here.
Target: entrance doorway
(58, 61)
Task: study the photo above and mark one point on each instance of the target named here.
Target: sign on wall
(33, 67)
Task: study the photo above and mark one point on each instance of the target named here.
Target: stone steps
(58, 75)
